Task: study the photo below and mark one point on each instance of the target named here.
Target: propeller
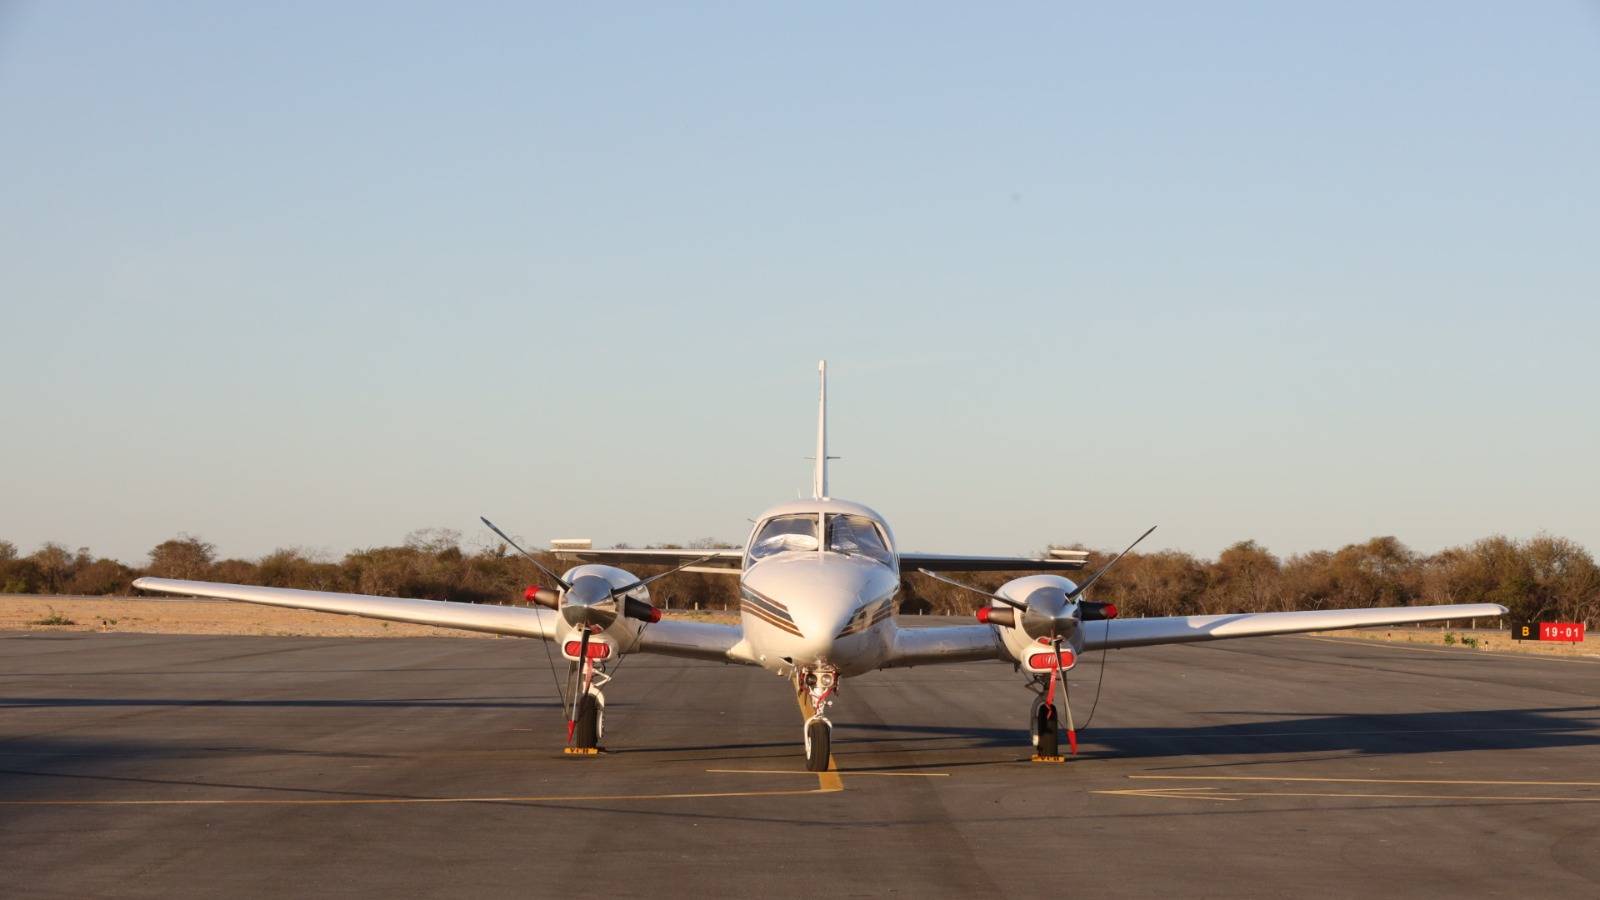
(590, 601)
(1050, 614)
(530, 557)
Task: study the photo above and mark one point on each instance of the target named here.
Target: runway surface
(151, 765)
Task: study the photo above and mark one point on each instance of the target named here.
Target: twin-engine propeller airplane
(817, 586)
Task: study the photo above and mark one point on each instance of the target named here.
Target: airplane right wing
(672, 637)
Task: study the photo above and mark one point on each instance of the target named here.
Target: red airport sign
(1561, 631)
(1547, 631)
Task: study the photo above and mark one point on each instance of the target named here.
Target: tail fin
(819, 477)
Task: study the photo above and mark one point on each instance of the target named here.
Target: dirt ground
(153, 615)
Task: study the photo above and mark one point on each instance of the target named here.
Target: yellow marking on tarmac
(1492, 654)
(841, 773)
(1214, 794)
(1365, 780)
(1173, 792)
(829, 781)
(1170, 794)
(416, 801)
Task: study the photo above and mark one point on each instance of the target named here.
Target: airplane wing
(945, 644)
(945, 562)
(1185, 629)
(730, 561)
(964, 643)
(698, 640)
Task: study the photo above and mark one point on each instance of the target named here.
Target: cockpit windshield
(784, 533)
(857, 536)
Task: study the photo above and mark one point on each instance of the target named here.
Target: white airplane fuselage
(816, 607)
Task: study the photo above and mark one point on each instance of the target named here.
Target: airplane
(818, 582)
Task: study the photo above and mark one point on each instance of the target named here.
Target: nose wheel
(1046, 729)
(816, 688)
(586, 727)
(819, 740)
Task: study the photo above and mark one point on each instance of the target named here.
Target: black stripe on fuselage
(772, 606)
(767, 617)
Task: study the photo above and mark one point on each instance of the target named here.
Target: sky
(317, 275)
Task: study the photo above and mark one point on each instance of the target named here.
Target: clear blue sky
(320, 274)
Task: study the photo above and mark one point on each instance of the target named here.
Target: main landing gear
(816, 688)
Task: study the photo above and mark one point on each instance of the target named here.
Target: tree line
(1542, 578)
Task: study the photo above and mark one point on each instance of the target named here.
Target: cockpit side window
(857, 536)
(784, 533)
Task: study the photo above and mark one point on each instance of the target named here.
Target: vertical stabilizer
(819, 478)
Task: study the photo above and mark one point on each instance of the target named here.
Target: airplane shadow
(1386, 734)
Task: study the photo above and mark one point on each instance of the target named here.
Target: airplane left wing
(697, 640)
(945, 644)
(1116, 633)
(965, 643)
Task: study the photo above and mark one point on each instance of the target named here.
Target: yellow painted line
(829, 781)
(417, 801)
(842, 773)
(1170, 794)
(1234, 795)
(1267, 734)
(1492, 654)
(1367, 780)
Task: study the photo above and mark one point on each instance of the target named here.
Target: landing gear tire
(1046, 741)
(819, 737)
(586, 733)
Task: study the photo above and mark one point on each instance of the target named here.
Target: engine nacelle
(1030, 634)
(592, 603)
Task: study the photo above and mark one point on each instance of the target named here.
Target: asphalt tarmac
(182, 766)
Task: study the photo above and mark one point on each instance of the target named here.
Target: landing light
(597, 649)
(1043, 660)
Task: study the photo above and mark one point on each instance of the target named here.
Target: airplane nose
(816, 596)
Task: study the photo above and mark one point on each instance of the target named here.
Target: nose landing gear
(586, 725)
(816, 688)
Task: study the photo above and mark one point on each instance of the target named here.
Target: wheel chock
(581, 751)
(1048, 759)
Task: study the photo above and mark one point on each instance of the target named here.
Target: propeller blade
(1023, 607)
(538, 565)
(1103, 569)
(617, 592)
(583, 687)
(1066, 702)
